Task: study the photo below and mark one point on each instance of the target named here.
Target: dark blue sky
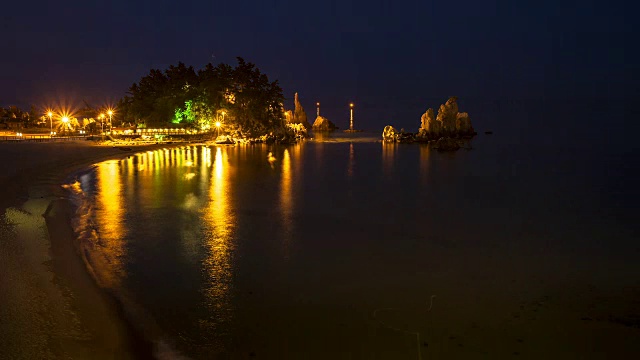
(392, 58)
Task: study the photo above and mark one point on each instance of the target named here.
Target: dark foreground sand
(50, 307)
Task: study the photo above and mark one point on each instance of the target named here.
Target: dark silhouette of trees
(241, 96)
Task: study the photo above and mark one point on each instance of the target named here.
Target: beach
(51, 306)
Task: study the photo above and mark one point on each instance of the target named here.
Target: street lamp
(351, 121)
(110, 113)
(50, 115)
(101, 124)
(65, 121)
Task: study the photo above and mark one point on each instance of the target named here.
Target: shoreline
(52, 306)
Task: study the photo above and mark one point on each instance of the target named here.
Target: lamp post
(351, 121)
(102, 125)
(318, 112)
(65, 121)
(50, 115)
(110, 112)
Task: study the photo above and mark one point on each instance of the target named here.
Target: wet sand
(50, 307)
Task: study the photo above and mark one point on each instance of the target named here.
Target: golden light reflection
(388, 157)
(351, 161)
(286, 201)
(220, 216)
(424, 161)
(109, 216)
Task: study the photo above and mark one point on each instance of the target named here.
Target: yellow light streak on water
(221, 219)
(109, 216)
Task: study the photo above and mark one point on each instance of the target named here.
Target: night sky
(394, 59)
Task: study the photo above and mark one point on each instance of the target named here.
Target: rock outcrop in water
(446, 144)
(323, 124)
(448, 123)
(389, 134)
(299, 115)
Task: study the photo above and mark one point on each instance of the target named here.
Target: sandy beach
(50, 305)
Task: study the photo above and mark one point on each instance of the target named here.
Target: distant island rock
(448, 123)
(323, 124)
(444, 129)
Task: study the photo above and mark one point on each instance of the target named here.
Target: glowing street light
(50, 115)
(351, 121)
(110, 113)
(65, 121)
(218, 124)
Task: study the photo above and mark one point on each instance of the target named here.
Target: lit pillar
(318, 111)
(351, 122)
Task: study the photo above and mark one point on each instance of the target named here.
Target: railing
(40, 138)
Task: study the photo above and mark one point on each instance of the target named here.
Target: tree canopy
(242, 97)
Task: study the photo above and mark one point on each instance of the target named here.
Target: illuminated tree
(179, 95)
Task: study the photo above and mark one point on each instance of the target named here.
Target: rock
(405, 137)
(323, 124)
(288, 116)
(224, 139)
(299, 116)
(463, 124)
(389, 134)
(447, 115)
(448, 123)
(446, 144)
(430, 128)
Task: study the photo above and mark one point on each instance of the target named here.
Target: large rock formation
(447, 116)
(323, 124)
(299, 116)
(448, 123)
(430, 127)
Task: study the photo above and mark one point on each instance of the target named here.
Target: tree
(180, 95)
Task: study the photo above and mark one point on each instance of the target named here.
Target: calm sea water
(350, 248)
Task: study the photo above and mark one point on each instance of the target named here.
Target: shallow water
(350, 248)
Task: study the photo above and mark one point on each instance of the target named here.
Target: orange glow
(351, 105)
(109, 217)
(220, 216)
(218, 124)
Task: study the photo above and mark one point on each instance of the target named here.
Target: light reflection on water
(231, 254)
(220, 218)
(109, 212)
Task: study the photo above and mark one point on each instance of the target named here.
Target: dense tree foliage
(241, 97)
(15, 114)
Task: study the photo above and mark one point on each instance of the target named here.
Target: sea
(345, 247)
